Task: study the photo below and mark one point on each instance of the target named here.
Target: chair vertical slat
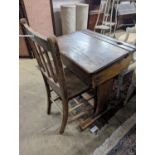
(43, 59)
(50, 67)
(37, 56)
(42, 63)
(58, 65)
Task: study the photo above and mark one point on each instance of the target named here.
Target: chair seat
(74, 85)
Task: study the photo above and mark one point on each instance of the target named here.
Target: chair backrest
(47, 53)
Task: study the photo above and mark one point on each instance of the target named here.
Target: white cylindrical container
(81, 16)
(68, 18)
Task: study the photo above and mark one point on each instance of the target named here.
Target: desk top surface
(92, 51)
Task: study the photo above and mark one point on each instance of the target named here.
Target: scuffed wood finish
(76, 69)
(110, 71)
(90, 52)
(96, 59)
(110, 40)
(103, 92)
(57, 78)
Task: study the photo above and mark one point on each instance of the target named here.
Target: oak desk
(96, 59)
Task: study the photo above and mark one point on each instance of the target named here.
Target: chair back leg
(48, 91)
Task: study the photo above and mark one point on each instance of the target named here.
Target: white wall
(39, 16)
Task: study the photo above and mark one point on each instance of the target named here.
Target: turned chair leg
(65, 116)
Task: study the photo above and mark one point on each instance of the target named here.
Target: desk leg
(103, 92)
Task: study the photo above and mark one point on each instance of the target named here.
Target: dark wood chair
(56, 77)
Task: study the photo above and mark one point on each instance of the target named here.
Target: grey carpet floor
(39, 131)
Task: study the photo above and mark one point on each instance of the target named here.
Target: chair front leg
(65, 116)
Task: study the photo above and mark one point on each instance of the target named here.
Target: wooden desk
(96, 59)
